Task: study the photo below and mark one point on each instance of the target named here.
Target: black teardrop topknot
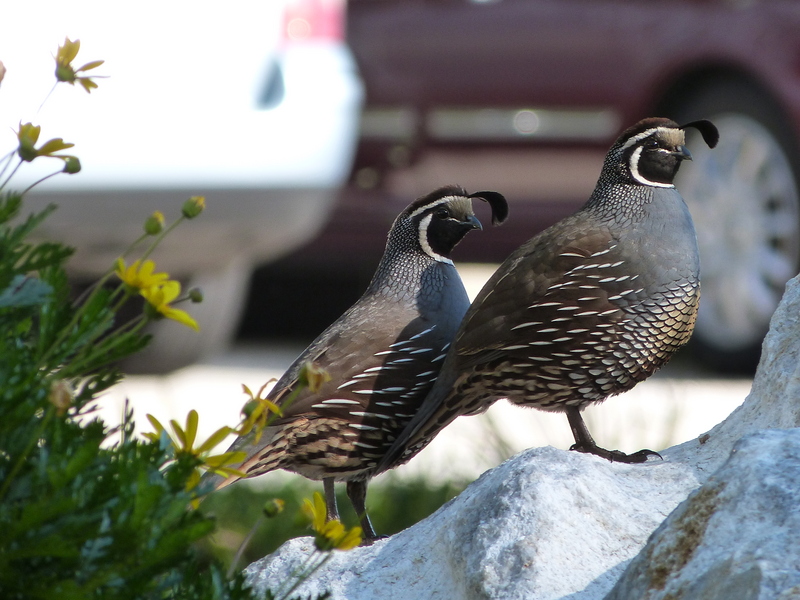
(707, 129)
(498, 204)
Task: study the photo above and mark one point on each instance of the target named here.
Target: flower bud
(193, 206)
(72, 165)
(60, 396)
(196, 295)
(273, 507)
(154, 223)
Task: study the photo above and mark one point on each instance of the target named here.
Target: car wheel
(174, 345)
(743, 196)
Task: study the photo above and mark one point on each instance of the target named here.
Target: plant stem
(243, 545)
(303, 572)
(35, 183)
(10, 175)
(161, 236)
(7, 160)
(23, 457)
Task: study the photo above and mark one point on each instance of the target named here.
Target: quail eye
(651, 144)
(442, 213)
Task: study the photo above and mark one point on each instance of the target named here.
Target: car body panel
(621, 56)
(525, 97)
(197, 98)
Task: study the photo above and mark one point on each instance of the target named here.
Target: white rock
(772, 402)
(514, 533)
(555, 524)
(735, 537)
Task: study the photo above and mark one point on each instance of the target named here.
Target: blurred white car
(254, 105)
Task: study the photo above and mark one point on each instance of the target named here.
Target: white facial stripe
(672, 135)
(647, 133)
(634, 167)
(423, 239)
(444, 200)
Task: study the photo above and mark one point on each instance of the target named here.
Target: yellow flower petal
(350, 540)
(169, 291)
(223, 460)
(161, 294)
(316, 512)
(155, 423)
(180, 316)
(140, 275)
(90, 65)
(147, 278)
(215, 439)
(192, 420)
(68, 51)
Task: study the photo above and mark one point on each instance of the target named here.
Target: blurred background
(310, 124)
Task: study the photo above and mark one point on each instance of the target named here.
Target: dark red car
(525, 97)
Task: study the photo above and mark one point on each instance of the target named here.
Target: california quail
(585, 309)
(383, 356)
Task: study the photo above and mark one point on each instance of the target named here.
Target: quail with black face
(587, 308)
(383, 355)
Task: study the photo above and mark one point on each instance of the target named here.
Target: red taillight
(314, 20)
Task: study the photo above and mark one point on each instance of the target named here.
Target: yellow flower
(28, 135)
(66, 72)
(156, 288)
(140, 275)
(258, 412)
(183, 439)
(329, 535)
(312, 376)
(159, 297)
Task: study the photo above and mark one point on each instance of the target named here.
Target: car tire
(743, 196)
(174, 346)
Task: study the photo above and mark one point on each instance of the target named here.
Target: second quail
(382, 355)
(587, 308)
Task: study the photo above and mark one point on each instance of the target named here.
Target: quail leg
(585, 443)
(357, 492)
(330, 499)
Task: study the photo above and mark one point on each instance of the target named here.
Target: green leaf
(10, 204)
(43, 255)
(25, 291)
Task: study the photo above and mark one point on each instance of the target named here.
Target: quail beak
(473, 222)
(682, 152)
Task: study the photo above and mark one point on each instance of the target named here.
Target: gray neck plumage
(619, 201)
(405, 268)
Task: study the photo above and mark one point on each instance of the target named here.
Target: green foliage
(85, 512)
(393, 504)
